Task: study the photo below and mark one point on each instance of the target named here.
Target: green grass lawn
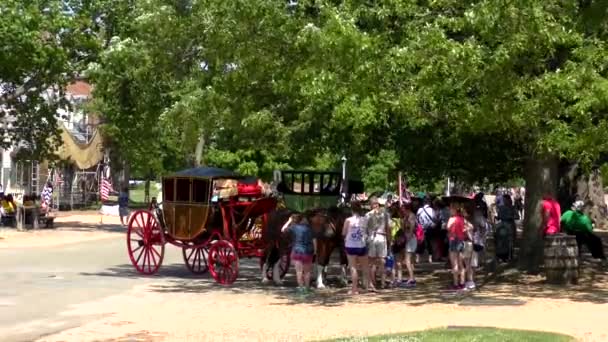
(466, 335)
(136, 194)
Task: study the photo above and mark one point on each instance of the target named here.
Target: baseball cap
(578, 205)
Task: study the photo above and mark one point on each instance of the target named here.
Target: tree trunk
(541, 176)
(200, 148)
(575, 185)
(125, 175)
(147, 190)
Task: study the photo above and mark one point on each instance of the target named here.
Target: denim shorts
(361, 251)
(456, 246)
(301, 257)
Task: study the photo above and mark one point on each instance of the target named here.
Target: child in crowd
(302, 251)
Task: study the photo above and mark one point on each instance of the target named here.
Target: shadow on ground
(508, 287)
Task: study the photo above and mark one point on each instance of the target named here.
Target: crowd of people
(388, 241)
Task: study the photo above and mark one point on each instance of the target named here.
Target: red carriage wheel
(284, 263)
(223, 262)
(145, 242)
(196, 259)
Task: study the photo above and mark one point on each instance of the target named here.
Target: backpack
(419, 233)
(431, 222)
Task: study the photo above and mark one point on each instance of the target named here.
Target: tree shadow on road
(507, 288)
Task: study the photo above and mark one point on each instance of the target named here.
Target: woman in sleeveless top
(355, 238)
(456, 237)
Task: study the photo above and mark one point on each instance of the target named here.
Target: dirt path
(199, 310)
(69, 228)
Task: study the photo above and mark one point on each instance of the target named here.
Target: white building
(80, 152)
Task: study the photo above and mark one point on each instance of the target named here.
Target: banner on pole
(109, 210)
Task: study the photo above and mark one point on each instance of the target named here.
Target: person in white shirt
(378, 241)
(427, 218)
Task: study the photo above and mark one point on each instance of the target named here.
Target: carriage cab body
(191, 200)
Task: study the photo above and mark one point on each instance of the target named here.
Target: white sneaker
(469, 285)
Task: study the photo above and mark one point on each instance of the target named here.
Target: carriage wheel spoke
(155, 251)
(140, 221)
(152, 256)
(138, 248)
(139, 257)
(144, 262)
(138, 232)
(197, 258)
(189, 257)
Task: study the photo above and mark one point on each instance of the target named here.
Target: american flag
(58, 178)
(105, 188)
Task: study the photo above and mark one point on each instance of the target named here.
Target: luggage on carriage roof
(249, 187)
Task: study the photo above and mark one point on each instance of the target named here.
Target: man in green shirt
(575, 222)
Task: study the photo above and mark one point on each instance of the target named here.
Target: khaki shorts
(377, 247)
(468, 250)
(475, 259)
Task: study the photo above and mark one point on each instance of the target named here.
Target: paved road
(38, 284)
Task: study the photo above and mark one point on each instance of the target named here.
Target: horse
(327, 227)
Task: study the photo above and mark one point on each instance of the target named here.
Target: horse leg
(343, 266)
(321, 263)
(275, 262)
(265, 265)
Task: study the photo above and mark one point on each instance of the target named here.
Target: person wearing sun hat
(576, 223)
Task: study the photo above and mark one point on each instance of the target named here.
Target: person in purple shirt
(303, 249)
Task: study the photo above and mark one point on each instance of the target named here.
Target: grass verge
(465, 334)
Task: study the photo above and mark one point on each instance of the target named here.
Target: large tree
(43, 48)
(525, 72)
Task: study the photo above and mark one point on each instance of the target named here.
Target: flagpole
(400, 184)
(99, 184)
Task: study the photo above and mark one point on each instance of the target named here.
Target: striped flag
(57, 179)
(105, 189)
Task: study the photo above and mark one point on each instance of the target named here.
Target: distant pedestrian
(123, 205)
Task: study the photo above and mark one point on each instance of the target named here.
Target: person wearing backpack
(427, 218)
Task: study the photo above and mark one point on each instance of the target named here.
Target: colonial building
(75, 175)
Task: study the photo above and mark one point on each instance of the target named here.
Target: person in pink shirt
(550, 213)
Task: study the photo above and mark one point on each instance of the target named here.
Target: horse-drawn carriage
(206, 212)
